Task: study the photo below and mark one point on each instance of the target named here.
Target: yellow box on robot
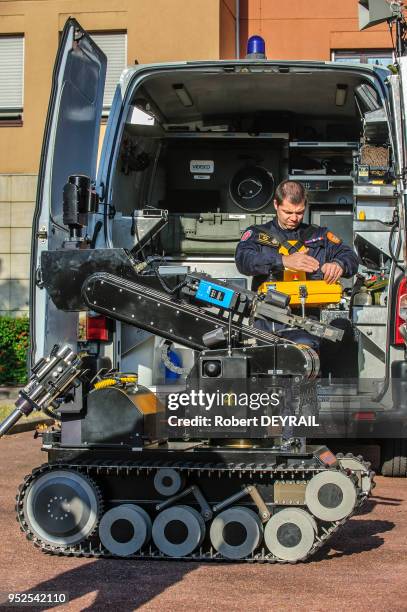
(317, 292)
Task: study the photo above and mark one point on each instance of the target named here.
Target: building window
(114, 46)
(11, 77)
(375, 57)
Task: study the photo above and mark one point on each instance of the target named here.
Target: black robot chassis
(249, 505)
(247, 500)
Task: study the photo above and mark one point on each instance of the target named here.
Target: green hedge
(14, 340)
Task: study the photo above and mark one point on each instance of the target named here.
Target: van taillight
(364, 416)
(401, 311)
(97, 328)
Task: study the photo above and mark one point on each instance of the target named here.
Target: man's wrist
(339, 263)
(277, 264)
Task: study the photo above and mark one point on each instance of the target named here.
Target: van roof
(369, 71)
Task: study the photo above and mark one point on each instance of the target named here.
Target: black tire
(394, 458)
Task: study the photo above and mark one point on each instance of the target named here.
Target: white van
(191, 156)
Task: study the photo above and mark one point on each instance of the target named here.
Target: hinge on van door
(42, 234)
(101, 192)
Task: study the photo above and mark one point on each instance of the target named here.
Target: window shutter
(114, 46)
(11, 73)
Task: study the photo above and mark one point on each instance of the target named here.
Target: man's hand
(332, 272)
(300, 261)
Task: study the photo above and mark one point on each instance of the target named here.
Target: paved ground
(365, 567)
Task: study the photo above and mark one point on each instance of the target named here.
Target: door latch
(42, 234)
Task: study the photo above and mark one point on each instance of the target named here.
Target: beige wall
(304, 29)
(17, 196)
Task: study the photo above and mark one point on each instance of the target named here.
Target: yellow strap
(284, 251)
(293, 275)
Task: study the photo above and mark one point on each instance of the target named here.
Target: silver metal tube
(47, 367)
(174, 498)
(231, 500)
(11, 420)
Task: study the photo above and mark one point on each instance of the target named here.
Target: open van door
(398, 98)
(70, 147)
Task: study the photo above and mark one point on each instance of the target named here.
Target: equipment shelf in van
(301, 144)
(325, 177)
(228, 135)
(384, 191)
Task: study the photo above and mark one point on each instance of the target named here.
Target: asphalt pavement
(364, 567)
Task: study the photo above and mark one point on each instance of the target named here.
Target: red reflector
(327, 457)
(401, 292)
(364, 416)
(97, 328)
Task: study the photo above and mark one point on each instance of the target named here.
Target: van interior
(210, 145)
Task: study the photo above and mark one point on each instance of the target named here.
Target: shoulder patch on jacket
(246, 235)
(332, 238)
(308, 233)
(264, 238)
(313, 240)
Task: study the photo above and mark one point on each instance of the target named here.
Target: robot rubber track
(266, 501)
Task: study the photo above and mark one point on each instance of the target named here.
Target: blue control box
(214, 294)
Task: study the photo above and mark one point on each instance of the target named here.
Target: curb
(29, 425)
(9, 393)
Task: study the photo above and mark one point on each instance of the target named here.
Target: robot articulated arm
(203, 313)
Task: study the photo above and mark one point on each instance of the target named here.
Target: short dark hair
(293, 191)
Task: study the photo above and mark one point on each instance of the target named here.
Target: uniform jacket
(264, 262)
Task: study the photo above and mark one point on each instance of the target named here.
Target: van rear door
(70, 146)
(398, 98)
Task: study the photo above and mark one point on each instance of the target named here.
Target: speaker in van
(251, 188)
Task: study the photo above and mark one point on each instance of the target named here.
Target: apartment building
(140, 31)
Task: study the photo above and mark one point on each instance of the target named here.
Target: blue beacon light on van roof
(256, 48)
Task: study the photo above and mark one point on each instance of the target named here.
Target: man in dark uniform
(324, 256)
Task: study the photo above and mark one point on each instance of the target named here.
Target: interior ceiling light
(138, 116)
(183, 94)
(341, 93)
